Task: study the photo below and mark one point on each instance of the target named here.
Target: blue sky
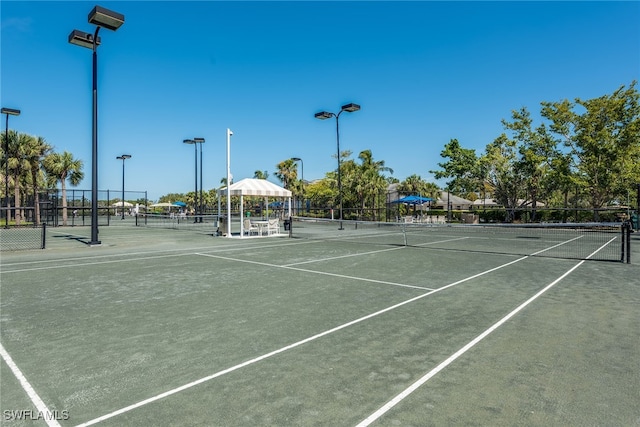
(423, 72)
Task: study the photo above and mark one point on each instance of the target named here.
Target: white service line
(343, 276)
(413, 387)
(288, 347)
(37, 401)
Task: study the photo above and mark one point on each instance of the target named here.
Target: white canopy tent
(254, 187)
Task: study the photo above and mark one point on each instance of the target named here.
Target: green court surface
(162, 327)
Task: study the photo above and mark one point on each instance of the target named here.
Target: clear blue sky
(423, 72)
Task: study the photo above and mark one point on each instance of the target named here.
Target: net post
(623, 237)
(44, 235)
(628, 240)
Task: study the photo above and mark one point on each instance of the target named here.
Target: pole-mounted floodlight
(8, 112)
(323, 115)
(105, 18)
(229, 134)
(298, 159)
(350, 108)
(201, 203)
(123, 158)
(83, 39)
(195, 192)
(101, 18)
(11, 111)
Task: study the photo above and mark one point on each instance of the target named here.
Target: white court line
(37, 401)
(413, 387)
(167, 253)
(288, 347)
(343, 256)
(370, 252)
(343, 276)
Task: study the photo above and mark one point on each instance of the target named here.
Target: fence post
(44, 236)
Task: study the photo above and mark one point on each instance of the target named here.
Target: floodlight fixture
(350, 108)
(80, 38)
(106, 18)
(323, 115)
(10, 111)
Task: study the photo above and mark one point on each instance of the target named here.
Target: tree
(602, 136)
(368, 180)
(536, 150)
(18, 168)
(261, 174)
(35, 152)
(9, 159)
(415, 185)
(63, 167)
(499, 162)
(287, 172)
(462, 168)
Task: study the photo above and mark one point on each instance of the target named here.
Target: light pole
(100, 17)
(200, 204)
(323, 115)
(229, 133)
(123, 158)
(298, 159)
(195, 193)
(8, 112)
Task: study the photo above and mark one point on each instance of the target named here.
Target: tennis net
(204, 224)
(594, 241)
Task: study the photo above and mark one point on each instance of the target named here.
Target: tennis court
(327, 327)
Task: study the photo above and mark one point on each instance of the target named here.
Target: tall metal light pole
(200, 203)
(298, 159)
(123, 158)
(101, 18)
(8, 112)
(229, 133)
(195, 193)
(323, 115)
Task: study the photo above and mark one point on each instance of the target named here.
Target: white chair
(273, 227)
(249, 227)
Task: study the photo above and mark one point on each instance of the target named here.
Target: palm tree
(287, 172)
(11, 144)
(35, 152)
(261, 174)
(372, 181)
(62, 167)
(18, 167)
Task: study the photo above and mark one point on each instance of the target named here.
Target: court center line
(286, 348)
(343, 276)
(47, 415)
(413, 387)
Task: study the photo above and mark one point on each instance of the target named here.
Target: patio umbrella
(126, 204)
(413, 200)
(181, 204)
